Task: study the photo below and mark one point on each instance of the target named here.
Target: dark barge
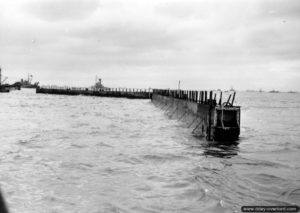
(209, 118)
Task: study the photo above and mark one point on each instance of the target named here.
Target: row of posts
(204, 97)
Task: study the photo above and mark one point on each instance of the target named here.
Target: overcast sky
(208, 44)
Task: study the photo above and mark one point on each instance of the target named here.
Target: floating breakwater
(107, 92)
(208, 117)
(212, 119)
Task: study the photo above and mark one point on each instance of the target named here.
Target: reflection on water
(91, 154)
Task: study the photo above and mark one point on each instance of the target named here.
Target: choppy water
(90, 154)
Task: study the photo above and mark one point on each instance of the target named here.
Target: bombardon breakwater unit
(210, 118)
(107, 92)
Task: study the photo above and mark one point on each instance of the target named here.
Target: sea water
(93, 155)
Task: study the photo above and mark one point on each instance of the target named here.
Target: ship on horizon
(27, 83)
(274, 91)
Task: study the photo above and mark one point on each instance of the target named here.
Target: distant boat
(274, 91)
(7, 87)
(292, 92)
(27, 83)
(99, 85)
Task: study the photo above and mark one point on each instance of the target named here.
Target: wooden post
(205, 97)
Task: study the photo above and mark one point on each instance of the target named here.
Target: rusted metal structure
(209, 117)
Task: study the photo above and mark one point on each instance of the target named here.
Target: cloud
(57, 10)
(215, 44)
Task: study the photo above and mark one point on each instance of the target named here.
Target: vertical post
(201, 97)
(228, 99)
(210, 97)
(209, 122)
(233, 98)
(205, 97)
(220, 100)
(194, 96)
